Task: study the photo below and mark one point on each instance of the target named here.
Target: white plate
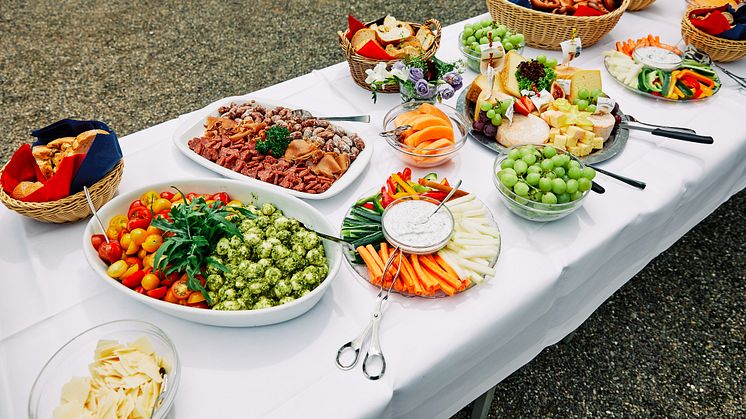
(261, 193)
(194, 126)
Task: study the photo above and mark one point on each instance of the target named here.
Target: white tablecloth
(441, 353)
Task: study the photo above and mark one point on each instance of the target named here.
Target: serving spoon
(302, 113)
(93, 211)
(423, 220)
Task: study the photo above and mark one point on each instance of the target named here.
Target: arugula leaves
(191, 236)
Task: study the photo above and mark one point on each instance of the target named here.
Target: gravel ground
(669, 343)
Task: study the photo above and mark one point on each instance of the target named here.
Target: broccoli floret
(262, 302)
(282, 223)
(258, 288)
(311, 240)
(231, 305)
(280, 252)
(252, 239)
(282, 288)
(304, 292)
(274, 241)
(246, 225)
(299, 237)
(285, 300)
(297, 286)
(240, 284)
(254, 271)
(247, 297)
(231, 253)
(243, 251)
(262, 221)
(291, 263)
(264, 263)
(268, 209)
(311, 276)
(299, 250)
(323, 271)
(214, 282)
(283, 236)
(270, 231)
(227, 293)
(222, 247)
(272, 275)
(316, 256)
(264, 249)
(235, 241)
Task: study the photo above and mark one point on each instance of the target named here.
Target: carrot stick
(441, 187)
(411, 274)
(373, 269)
(428, 283)
(446, 266)
(442, 276)
(381, 264)
(444, 285)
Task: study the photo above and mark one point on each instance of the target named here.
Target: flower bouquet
(419, 79)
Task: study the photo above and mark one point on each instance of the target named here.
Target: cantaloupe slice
(404, 118)
(437, 144)
(429, 133)
(433, 110)
(424, 121)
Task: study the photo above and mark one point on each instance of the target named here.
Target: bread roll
(393, 31)
(362, 37)
(83, 141)
(25, 189)
(425, 37)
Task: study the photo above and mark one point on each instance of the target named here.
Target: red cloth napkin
(715, 23)
(353, 25)
(372, 50)
(584, 10)
(22, 167)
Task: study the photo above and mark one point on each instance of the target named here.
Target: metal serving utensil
(633, 119)
(396, 132)
(701, 56)
(423, 220)
(371, 331)
(161, 393)
(632, 182)
(93, 211)
(302, 113)
(738, 79)
(677, 133)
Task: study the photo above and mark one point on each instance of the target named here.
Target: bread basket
(719, 49)
(635, 5)
(358, 63)
(70, 208)
(546, 30)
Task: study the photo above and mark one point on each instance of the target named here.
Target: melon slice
(429, 109)
(424, 121)
(430, 133)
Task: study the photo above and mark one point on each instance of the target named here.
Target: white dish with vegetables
(231, 314)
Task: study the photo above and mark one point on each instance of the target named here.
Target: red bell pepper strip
(167, 195)
(406, 174)
(369, 205)
(386, 199)
(438, 196)
(139, 217)
(391, 184)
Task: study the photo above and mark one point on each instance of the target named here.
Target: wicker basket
(719, 49)
(635, 5)
(547, 30)
(358, 64)
(70, 208)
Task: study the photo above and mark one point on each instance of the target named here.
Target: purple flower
(454, 79)
(422, 88)
(416, 74)
(446, 91)
(399, 65)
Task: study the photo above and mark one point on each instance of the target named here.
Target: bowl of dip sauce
(406, 225)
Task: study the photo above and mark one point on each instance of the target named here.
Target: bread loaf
(25, 189)
(426, 38)
(48, 157)
(393, 31)
(362, 37)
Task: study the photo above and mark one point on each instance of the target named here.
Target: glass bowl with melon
(424, 134)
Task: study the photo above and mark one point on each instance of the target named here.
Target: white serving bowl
(291, 206)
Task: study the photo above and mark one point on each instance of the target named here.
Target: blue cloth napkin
(101, 158)
(738, 31)
(524, 3)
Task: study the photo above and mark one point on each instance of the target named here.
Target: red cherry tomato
(133, 281)
(97, 240)
(201, 304)
(190, 196)
(141, 290)
(132, 260)
(136, 204)
(139, 217)
(110, 252)
(158, 293)
(222, 197)
(168, 195)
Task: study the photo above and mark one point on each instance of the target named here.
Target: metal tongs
(396, 132)
(677, 133)
(697, 55)
(370, 333)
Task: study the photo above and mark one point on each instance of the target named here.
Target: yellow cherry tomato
(138, 235)
(125, 240)
(150, 282)
(117, 269)
(148, 260)
(152, 242)
(235, 203)
(132, 269)
(112, 233)
(161, 204)
(132, 248)
(154, 230)
(177, 198)
(142, 253)
(149, 197)
(118, 222)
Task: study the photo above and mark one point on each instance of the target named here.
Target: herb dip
(407, 224)
(657, 57)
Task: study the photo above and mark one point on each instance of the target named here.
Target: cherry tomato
(170, 297)
(152, 243)
(110, 252)
(118, 222)
(235, 203)
(190, 196)
(202, 304)
(158, 293)
(117, 269)
(148, 260)
(142, 253)
(138, 235)
(177, 198)
(125, 240)
(150, 281)
(161, 204)
(141, 290)
(222, 197)
(132, 248)
(97, 240)
(167, 195)
(135, 204)
(180, 289)
(170, 279)
(154, 230)
(133, 280)
(195, 297)
(149, 197)
(131, 260)
(165, 214)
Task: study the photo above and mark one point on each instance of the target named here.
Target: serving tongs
(302, 113)
(396, 132)
(695, 54)
(161, 393)
(370, 332)
(677, 133)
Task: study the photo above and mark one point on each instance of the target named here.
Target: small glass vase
(408, 94)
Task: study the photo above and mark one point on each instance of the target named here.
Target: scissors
(371, 330)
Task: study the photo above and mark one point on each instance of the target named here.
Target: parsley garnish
(275, 142)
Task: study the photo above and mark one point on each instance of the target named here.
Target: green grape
(574, 163)
(497, 120)
(584, 93)
(486, 106)
(595, 93)
(534, 168)
(576, 101)
(582, 104)
(575, 172)
(584, 184)
(521, 189)
(502, 30)
(572, 186)
(520, 167)
(478, 33)
(549, 151)
(518, 39)
(549, 198)
(484, 40)
(559, 171)
(507, 163)
(558, 186)
(545, 184)
(529, 159)
(550, 175)
(486, 22)
(508, 46)
(464, 42)
(494, 35)
(547, 165)
(508, 170)
(589, 173)
(468, 32)
(529, 148)
(472, 40)
(535, 195)
(504, 105)
(591, 108)
(533, 178)
(542, 59)
(468, 26)
(563, 198)
(565, 178)
(558, 160)
(509, 179)
(576, 195)
(552, 62)
(491, 113)
(565, 160)
(514, 154)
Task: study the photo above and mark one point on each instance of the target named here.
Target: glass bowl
(408, 248)
(532, 210)
(419, 157)
(73, 358)
(473, 61)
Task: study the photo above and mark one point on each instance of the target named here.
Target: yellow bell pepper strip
(404, 185)
(672, 85)
(400, 195)
(706, 91)
(700, 78)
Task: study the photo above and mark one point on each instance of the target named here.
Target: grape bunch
(586, 100)
(549, 62)
(541, 174)
(476, 34)
(491, 116)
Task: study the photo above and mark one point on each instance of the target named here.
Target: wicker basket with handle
(547, 30)
(358, 64)
(70, 208)
(719, 49)
(635, 5)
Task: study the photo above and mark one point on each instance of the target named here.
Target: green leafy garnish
(533, 75)
(276, 141)
(191, 236)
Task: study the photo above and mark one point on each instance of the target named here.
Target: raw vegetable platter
(467, 260)
(193, 126)
(615, 144)
(258, 195)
